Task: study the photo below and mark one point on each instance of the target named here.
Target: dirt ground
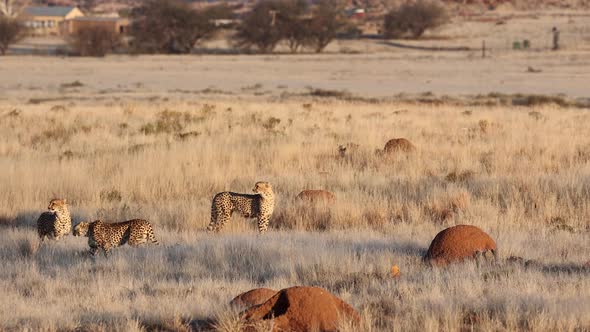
(368, 75)
(368, 67)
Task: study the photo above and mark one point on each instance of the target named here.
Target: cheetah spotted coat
(55, 223)
(259, 206)
(106, 235)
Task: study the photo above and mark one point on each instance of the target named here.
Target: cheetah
(348, 149)
(260, 206)
(317, 196)
(105, 236)
(56, 222)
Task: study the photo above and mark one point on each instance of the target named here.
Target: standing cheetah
(56, 222)
(106, 236)
(260, 206)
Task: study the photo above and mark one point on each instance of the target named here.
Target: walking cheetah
(260, 206)
(106, 236)
(56, 222)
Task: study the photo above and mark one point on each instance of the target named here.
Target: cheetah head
(81, 228)
(263, 188)
(348, 148)
(56, 204)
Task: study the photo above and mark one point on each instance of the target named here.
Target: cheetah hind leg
(212, 227)
(152, 236)
(93, 251)
(222, 219)
(218, 222)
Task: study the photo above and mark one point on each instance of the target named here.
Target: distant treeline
(176, 27)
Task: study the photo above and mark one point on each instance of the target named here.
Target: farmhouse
(46, 20)
(115, 24)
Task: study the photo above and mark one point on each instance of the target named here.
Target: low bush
(413, 19)
(94, 41)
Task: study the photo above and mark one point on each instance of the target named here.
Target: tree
(259, 27)
(95, 41)
(220, 11)
(414, 19)
(327, 19)
(293, 27)
(11, 8)
(87, 5)
(168, 26)
(11, 31)
(271, 22)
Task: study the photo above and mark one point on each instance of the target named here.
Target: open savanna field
(501, 143)
(522, 174)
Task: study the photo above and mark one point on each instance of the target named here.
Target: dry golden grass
(523, 179)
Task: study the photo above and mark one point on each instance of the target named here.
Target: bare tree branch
(12, 8)
(10, 32)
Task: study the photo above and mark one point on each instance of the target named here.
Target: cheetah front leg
(263, 223)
